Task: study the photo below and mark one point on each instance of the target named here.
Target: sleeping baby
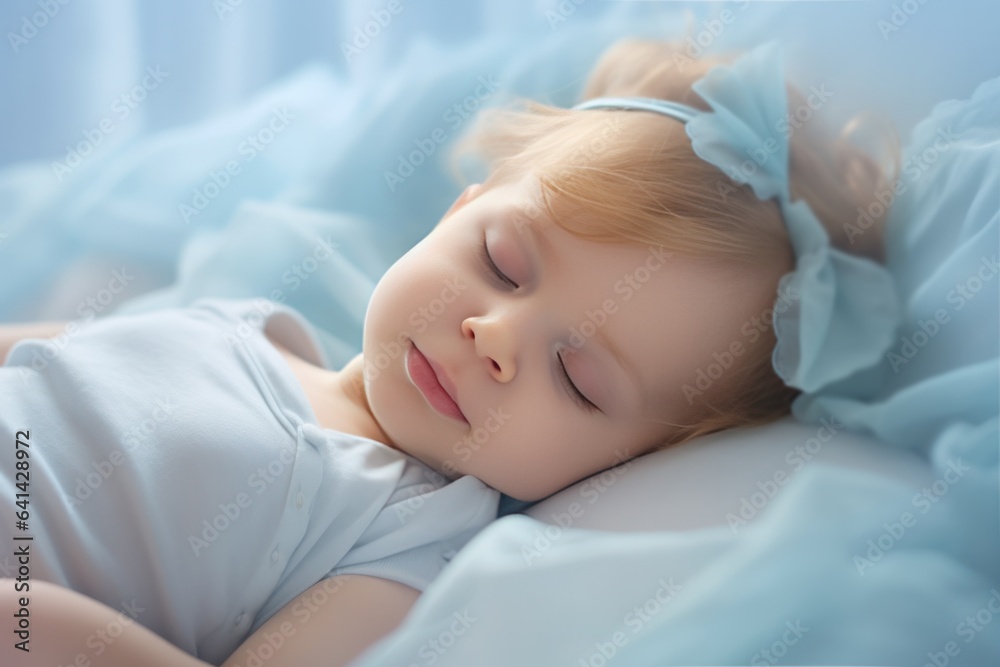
(591, 301)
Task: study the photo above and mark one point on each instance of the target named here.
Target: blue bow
(840, 312)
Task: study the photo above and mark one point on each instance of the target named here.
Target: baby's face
(521, 428)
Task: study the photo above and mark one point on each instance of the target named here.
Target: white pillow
(721, 479)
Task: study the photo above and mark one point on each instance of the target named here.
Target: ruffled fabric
(843, 566)
(840, 311)
(942, 244)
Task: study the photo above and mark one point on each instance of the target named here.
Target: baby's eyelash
(492, 267)
(582, 400)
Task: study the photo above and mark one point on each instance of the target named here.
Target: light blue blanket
(845, 567)
(250, 202)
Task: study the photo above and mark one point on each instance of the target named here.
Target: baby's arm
(11, 333)
(329, 624)
(69, 628)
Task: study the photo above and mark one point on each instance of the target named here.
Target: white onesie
(175, 471)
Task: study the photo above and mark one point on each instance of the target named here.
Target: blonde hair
(638, 180)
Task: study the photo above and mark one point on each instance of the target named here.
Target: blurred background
(119, 119)
(66, 62)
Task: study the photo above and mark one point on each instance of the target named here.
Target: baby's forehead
(524, 194)
(537, 208)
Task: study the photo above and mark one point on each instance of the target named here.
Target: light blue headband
(843, 311)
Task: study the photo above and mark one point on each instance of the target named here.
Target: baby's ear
(467, 195)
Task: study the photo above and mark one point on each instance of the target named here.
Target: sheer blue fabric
(842, 309)
(843, 566)
(838, 311)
